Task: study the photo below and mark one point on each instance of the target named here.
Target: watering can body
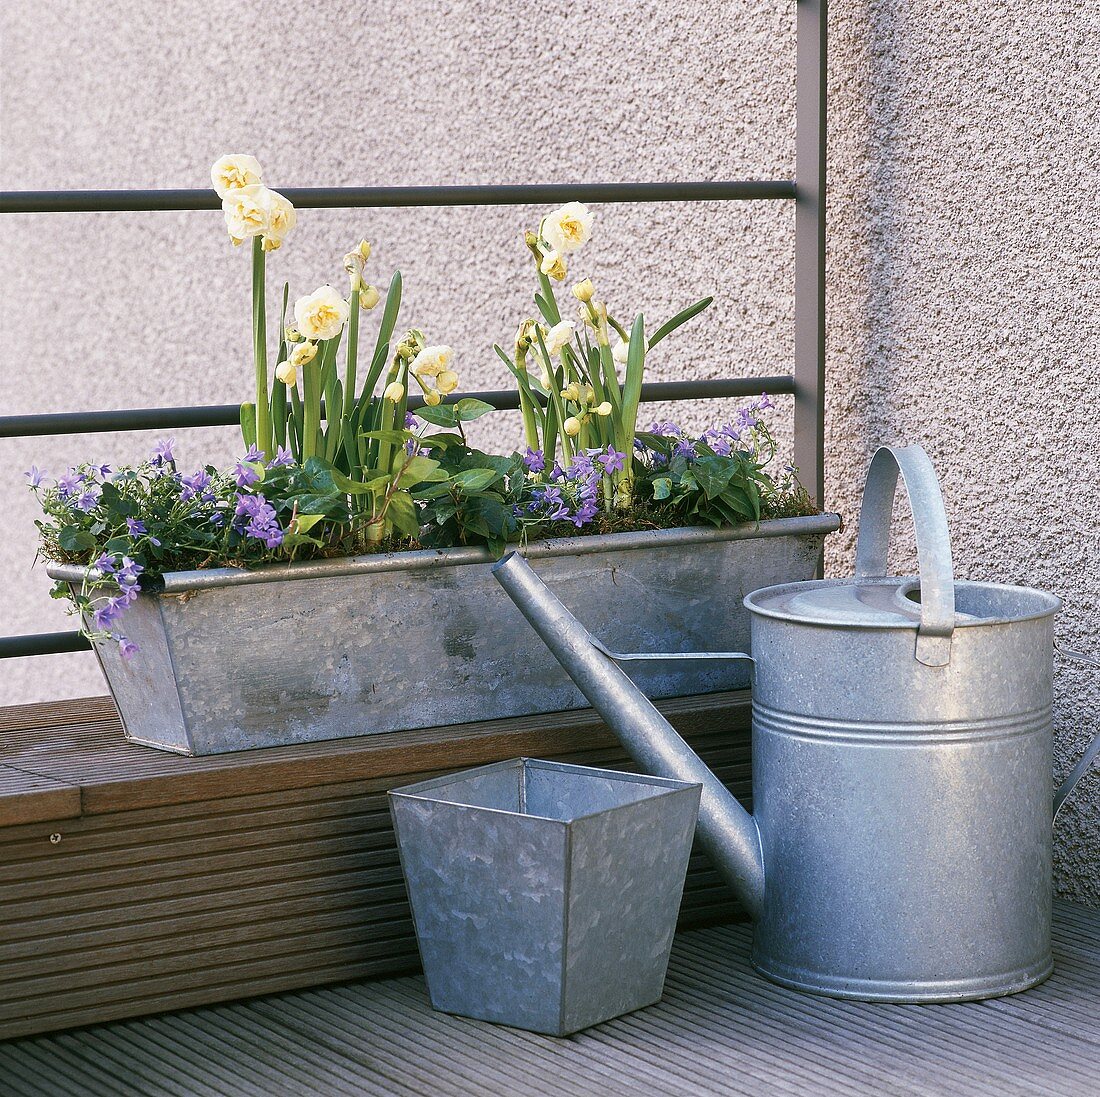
(900, 848)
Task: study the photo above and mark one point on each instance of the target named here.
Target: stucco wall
(963, 249)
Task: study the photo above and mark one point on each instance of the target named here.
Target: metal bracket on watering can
(640, 656)
(1093, 749)
(937, 577)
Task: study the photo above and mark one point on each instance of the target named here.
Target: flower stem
(259, 349)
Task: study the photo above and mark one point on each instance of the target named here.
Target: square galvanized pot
(545, 895)
(232, 659)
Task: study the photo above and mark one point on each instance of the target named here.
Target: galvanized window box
(233, 659)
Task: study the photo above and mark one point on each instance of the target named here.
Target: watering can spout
(727, 831)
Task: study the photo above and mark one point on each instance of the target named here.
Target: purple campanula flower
(410, 420)
(108, 613)
(102, 471)
(254, 454)
(665, 429)
(613, 460)
(684, 448)
(105, 564)
(557, 473)
(283, 457)
(195, 485)
(533, 460)
(127, 648)
(245, 474)
(69, 484)
(88, 500)
(134, 527)
(585, 513)
(128, 574)
(162, 452)
(217, 518)
(255, 517)
(765, 403)
(35, 475)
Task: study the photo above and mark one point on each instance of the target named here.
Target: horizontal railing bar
(223, 415)
(42, 643)
(129, 201)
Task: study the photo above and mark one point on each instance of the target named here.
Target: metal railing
(807, 190)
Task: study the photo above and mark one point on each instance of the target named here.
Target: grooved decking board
(175, 881)
(719, 1030)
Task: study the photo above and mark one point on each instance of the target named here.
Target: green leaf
(662, 488)
(683, 317)
(75, 539)
(468, 409)
(442, 415)
(471, 480)
(356, 487)
(403, 514)
(393, 437)
(303, 523)
(418, 470)
(713, 474)
(248, 424)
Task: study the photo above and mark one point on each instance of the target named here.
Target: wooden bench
(134, 881)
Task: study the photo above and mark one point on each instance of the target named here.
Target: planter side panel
(332, 657)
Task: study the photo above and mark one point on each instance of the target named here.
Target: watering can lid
(873, 602)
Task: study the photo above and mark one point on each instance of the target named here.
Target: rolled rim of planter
(175, 582)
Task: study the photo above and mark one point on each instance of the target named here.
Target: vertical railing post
(809, 260)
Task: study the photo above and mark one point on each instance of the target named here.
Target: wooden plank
(31, 798)
(85, 747)
(720, 1029)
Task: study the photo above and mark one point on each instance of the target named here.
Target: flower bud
(584, 290)
(572, 391)
(447, 381)
(368, 296)
(589, 394)
(526, 337)
(394, 391)
(604, 409)
(411, 345)
(292, 334)
(544, 380)
(572, 426)
(363, 250)
(531, 240)
(432, 398)
(303, 353)
(287, 372)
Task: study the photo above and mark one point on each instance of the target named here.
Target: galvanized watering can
(900, 849)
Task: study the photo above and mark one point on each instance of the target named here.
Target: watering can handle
(937, 579)
(642, 656)
(1091, 752)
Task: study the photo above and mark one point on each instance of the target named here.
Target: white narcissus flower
(321, 314)
(568, 228)
(234, 173)
(553, 266)
(559, 336)
(287, 372)
(431, 361)
(621, 351)
(447, 381)
(394, 391)
(281, 218)
(247, 212)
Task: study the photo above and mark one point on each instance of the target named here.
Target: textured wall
(963, 249)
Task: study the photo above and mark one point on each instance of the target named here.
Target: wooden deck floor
(719, 1030)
